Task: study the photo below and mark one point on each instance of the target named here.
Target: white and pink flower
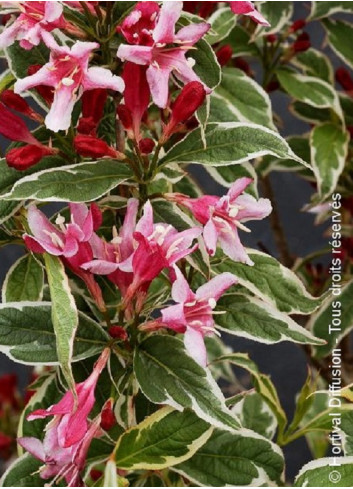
(161, 48)
(68, 73)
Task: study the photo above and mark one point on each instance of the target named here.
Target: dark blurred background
(286, 362)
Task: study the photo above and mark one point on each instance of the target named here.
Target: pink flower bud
(146, 145)
(187, 102)
(92, 147)
(224, 54)
(27, 156)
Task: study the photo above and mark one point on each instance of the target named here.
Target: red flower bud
(13, 128)
(118, 332)
(8, 388)
(146, 146)
(297, 25)
(45, 92)
(95, 474)
(108, 419)
(16, 102)
(271, 38)
(92, 147)
(86, 125)
(125, 117)
(243, 65)
(5, 446)
(224, 54)
(93, 102)
(343, 77)
(27, 156)
(272, 86)
(301, 44)
(187, 102)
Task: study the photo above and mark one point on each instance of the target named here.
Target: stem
(278, 231)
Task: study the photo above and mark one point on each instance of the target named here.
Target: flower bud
(118, 332)
(344, 78)
(224, 54)
(27, 156)
(187, 102)
(271, 38)
(297, 25)
(301, 46)
(92, 147)
(125, 117)
(243, 65)
(12, 127)
(108, 419)
(146, 146)
(16, 102)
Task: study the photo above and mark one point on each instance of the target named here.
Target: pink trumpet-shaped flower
(72, 241)
(248, 8)
(162, 60)
(68, 73)
(69, 435)
(223, 216)
(193, 313)
(35, 18)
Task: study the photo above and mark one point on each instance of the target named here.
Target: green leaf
(19, 59)
(315, 63)
(222, 22)
(229, 459)
(278, 16)
(27, 334)
(310, 90)
(169, 213)
(110, 475)
(64, 313)
(240, 98)
(230, 144)
(321, 473)
(226, 175)
(334, 320)
(179, 381)
(252, 318)
(325, 9)
(339, 33)
(262, 383)
(8, 209)
(273, 283)
(347, 428)
(23, 472)
(241, 44)
(310, 114)
(255, 414)
(24, 281)
(164, 439)
(82, 182)
(329, 150)
(206, 64)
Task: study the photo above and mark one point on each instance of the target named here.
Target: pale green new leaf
(334, 320)
(252, 318)
(273, 283)
(27, 334)
(235, 459)
(318, 473)
(230, 143)
(24, 281)
(339, 36)
(82, 182)
(329, 149)
(164, 439)
(179, 381)
(310, 90)
(64, 313)
(240, 98)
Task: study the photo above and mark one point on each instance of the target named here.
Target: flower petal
(173, 317)
(97, 77)
(192, 33)
(216, 287)
(181, 291)
(145, 224)
(59, 116)
(195, 346)
(210, 236)
(141, 55)
(252, 208)
(168, 16)
(33, 446)
(158, 79)
(232, 247)
(238, 187)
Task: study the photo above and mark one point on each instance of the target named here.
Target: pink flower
(72, 241)
(137, 27)
(68, 73)
(140, 251)
(35, 19)
(223, 216)
(161, 59)
(193, 313)
(248, 8)
(69, 434)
